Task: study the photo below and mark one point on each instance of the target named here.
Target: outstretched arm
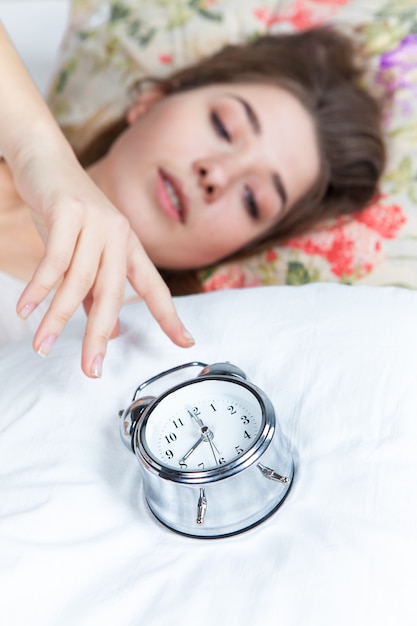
(90, 248)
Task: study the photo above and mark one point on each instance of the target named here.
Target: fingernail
(188, 337)
(46, 345)
(97, 366)
(26, 310)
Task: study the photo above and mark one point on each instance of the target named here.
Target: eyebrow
(253, 119)
(255, 124)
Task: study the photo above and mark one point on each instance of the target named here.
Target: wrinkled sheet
(78, 546)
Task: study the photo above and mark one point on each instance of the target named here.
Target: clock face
(203, 425)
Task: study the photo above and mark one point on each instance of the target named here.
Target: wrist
(43, 141)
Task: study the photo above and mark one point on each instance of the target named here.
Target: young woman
(250, 146)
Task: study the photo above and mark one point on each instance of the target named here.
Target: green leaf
(147, 37)
(134, 28)
(118, 12)
(64, 75)
(84, 35)
(413, 195)
(297, 274)
(206, 273)
(62, 80)
(141, 32)
(210, 15)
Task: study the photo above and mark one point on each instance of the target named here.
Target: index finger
(148, 283)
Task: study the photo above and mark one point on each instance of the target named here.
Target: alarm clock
(213, 459)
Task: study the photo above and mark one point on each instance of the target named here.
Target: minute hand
(206, 433)
(191, 450)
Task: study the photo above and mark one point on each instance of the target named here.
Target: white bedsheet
(78, 546)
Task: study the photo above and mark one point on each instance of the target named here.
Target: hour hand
(194, 416)
(191, 450)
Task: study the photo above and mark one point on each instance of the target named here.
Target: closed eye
(219, 127)
(250, 203)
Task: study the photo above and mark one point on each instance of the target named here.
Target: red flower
(337, 248)
(231, 278)
(332, 2)
(271, 255)
(353, 247)
(385, 220)
(267, 16)
(302, 14)
(166, 59)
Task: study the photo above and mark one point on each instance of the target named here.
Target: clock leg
(201, 507)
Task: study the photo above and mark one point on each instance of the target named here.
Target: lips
(170, 196)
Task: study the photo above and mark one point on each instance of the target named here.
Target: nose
(215, 175)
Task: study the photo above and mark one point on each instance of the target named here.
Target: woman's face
(203, 173)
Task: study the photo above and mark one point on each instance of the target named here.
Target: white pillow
(78, 545)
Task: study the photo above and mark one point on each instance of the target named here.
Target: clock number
(232, 409)
(222, 460)
(178, 423)
(201, 465)
(238, 449)
(247, 435)
(171, 437)
(183, 465)
(169, 454)
(245, 419)
(196, 410)
(213, 407)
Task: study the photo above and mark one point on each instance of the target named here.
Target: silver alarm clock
(213, 458)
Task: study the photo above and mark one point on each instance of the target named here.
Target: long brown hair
(321, 68)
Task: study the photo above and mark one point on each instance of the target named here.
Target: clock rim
(231, 468)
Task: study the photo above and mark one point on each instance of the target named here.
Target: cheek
(225, 228)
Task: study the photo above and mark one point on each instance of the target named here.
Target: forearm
(26, 123)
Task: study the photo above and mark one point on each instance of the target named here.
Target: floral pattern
(111, 43)
(300, 14)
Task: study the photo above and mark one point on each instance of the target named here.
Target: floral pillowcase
(110, 44)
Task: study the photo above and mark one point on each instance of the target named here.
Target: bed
(78, 544)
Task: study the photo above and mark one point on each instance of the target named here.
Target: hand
(206, 435)
(90, 249)
(193, 416)
(191, 450)
(89, 246)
